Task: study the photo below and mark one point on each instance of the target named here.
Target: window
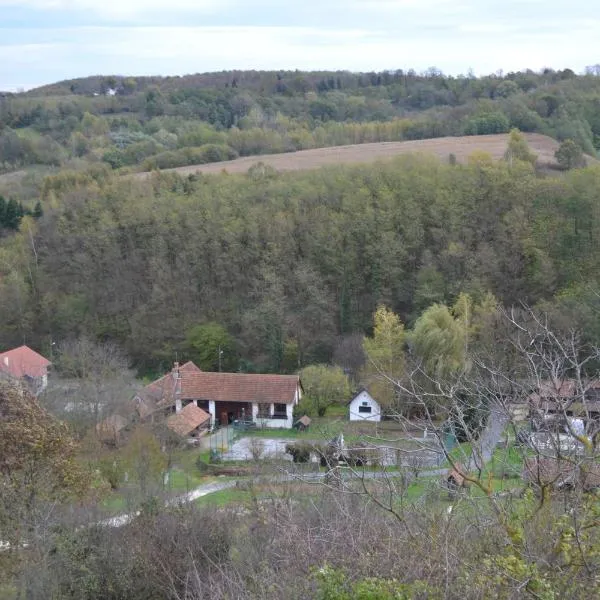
(364, 409)
(280, 411)
(263, 411)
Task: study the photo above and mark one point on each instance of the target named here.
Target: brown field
(461, 147)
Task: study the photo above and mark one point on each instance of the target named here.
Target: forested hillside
(462, 289)
(147, 123)
(289, 263)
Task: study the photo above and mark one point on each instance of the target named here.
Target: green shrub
(356, 457)
(305, 407)
(299, 451)
(190, 156)
(489, 123)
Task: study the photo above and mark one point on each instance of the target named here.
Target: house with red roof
(553, 400)
(190, 422)
(265, 399)
(26, 365)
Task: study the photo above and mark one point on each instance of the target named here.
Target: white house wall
(360, 400)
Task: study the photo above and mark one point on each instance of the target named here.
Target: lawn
(277, 433)
(181, 481)
(225, 498)
(185, 460)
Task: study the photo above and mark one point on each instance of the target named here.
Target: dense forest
(149, 123)
(290, 265)
(293, 262)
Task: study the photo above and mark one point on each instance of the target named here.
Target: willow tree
(440, 339)
(384, 353)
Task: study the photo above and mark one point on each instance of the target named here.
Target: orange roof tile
(22, 361)
(223, 387)
(187, 420)
(559, 389)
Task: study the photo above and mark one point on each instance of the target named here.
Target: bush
(305, 407)
(299, 451)
(202, 465)
(190, 156)
(257, 448)
(489, 123)
(356, 457)
(326, 455)
(112, 470)
(569, 155)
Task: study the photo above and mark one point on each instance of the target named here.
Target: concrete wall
(274, 423)
(364, 399)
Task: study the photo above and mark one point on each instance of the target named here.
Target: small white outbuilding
(363, 407)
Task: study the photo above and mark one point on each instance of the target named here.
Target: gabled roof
(240, 387)
(561, 389)
(304, 420)
(162, 391)
(358, 393)
(190, 418)
(23, 361)
(221, 387)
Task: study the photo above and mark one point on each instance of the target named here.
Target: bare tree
(93, 381)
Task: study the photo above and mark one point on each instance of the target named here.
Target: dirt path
(489, 439)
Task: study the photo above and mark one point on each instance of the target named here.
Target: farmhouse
(363, 407)
(25, 364)
(555, 399)
(267, 400)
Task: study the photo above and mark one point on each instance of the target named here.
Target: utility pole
(220, 355)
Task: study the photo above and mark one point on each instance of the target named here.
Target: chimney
(177, 376)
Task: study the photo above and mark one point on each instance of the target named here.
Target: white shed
(364, 408)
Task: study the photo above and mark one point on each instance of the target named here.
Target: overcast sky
(42, 41)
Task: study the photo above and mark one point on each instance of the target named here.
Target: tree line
(165, 122)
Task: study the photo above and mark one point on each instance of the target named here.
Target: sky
(44, 41)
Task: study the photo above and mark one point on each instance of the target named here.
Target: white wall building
(363, 407)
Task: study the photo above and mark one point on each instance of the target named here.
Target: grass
(337, 410)
(115, 503)
(182, 481)
(225, 497)
(277, 433)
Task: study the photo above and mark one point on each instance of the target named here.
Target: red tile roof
(559, 389)
(22, 361)
(223, 387)
(190, 418)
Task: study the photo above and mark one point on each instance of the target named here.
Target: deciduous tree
(325, 385)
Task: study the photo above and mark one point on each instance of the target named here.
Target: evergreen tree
(38, 211)
(2, 211)
(12, 215)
